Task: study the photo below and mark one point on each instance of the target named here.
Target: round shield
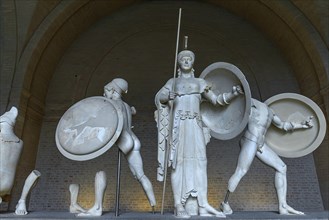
(226, 122)
(89, 128)
(295, 108)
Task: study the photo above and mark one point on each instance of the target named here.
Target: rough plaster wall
(8, 49)
(138, 45)
(317, 12)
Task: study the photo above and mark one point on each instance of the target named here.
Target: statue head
(185, 60)
(186, 53)
(117, 85)
(10, 116)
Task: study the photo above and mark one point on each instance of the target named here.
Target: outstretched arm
(225, 98)
(290, 126)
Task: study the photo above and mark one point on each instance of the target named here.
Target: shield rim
(103, 149)
(319, 115)
(247, 93)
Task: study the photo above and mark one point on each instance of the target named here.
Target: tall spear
(170, 117)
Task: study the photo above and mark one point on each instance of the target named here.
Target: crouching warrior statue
(93, 125)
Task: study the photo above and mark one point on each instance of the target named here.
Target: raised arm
(290, 126)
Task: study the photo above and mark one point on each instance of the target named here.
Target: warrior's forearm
(290, 126)
(225, 98)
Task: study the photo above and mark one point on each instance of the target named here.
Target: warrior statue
(187, 152)
(253, 144)
(128, 142)
(92, 126)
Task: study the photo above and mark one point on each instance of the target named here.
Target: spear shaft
(170, 117)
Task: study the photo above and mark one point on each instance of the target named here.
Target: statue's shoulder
(202, 83)
(169, 83)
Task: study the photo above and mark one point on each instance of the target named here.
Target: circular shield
(226, 122)
(295, 108)
(89, 128)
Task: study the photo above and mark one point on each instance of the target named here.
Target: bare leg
(135, 162)
(270, 158)
(246, 156)
(74, 206)
(100, 186)
(28, 185)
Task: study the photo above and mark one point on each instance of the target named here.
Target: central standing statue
(187, 152)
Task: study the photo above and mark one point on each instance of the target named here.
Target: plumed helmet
(118, 84)
(10, 116)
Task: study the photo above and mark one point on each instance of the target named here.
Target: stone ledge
(139, 215)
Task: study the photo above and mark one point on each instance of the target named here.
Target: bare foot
(180, 212)
(287, 210)
(226, 208)
(21, 208)
(208, 210)
(94, 211)
(76, 208)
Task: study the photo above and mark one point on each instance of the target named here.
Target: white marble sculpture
(253, 144)
(187, 154)
(28, 185)
(75, 208)
(97, 209)
(128, 142)
(10, 151)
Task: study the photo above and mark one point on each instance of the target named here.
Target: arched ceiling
(57, 23)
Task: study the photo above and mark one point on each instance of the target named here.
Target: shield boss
(89, 128)
(226, 122)
(295, 108)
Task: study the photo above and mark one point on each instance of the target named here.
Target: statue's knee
(138, 176)
(283, 169)
(235, 179)
(137, 145)
(241, 172)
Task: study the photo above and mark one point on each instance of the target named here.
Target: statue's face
(186, 63)
(111, 93)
